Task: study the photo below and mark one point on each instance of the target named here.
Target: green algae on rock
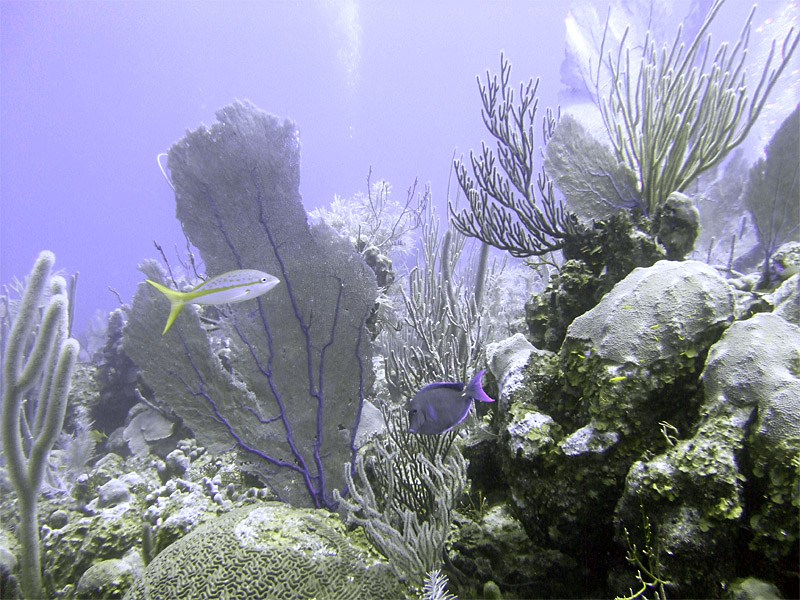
(701, 492)
(648, 332)
(755, 367)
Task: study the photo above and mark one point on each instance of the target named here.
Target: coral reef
(638, 340)
(755, 367)
(375, 219)
(106, 579)
(511, 208)
(382, 230)
(118, 377)
(493, 547)
(435, 587)
(611, 440)
(677, 225)
(73, 545)
(645, 439)
(617, 441)
(786, 260)
(595, 185)
(440, 334)
(672, 119)
(123, 511)
(738, 467)
(267, 550)
(626, 207)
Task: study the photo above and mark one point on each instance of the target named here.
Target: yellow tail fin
(176, 302)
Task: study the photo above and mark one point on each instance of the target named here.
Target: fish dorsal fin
(444, 384)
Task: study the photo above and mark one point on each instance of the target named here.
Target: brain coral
(268, 550)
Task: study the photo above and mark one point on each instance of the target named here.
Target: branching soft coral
(678, 117)
(511, 207)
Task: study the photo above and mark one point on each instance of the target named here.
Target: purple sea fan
(290, 394)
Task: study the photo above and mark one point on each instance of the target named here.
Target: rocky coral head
(677, 225)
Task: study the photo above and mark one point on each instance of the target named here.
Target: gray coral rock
(72, 550)
(677, 225)
(751, 408)
(105, 579)
(755, 365)
(529, 433)
(176, 463)
(627, 364)
(489, 543)
(507, 358)
(693, 498)
(647, 335)
(786, 260)
(786, 300)
(752, 588)
(113, 492)
(267, 550)
(588, 439)
(755, 368)
(655, 313)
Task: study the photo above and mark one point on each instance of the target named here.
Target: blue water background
(91, 92)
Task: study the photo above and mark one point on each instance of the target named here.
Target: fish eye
(263, 280)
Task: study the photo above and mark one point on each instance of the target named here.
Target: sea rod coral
(37, 370)
(406, 488)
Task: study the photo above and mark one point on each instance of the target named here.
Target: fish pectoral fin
(243, 295)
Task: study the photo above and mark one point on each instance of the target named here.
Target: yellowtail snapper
(230, 287)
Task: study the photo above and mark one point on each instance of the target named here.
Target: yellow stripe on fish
(230, 287)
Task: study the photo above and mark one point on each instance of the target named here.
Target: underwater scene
(557, 356)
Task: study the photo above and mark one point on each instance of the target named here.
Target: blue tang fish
(438, 407)
(230, 287)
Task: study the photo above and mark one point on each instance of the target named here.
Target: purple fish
(438, 407)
